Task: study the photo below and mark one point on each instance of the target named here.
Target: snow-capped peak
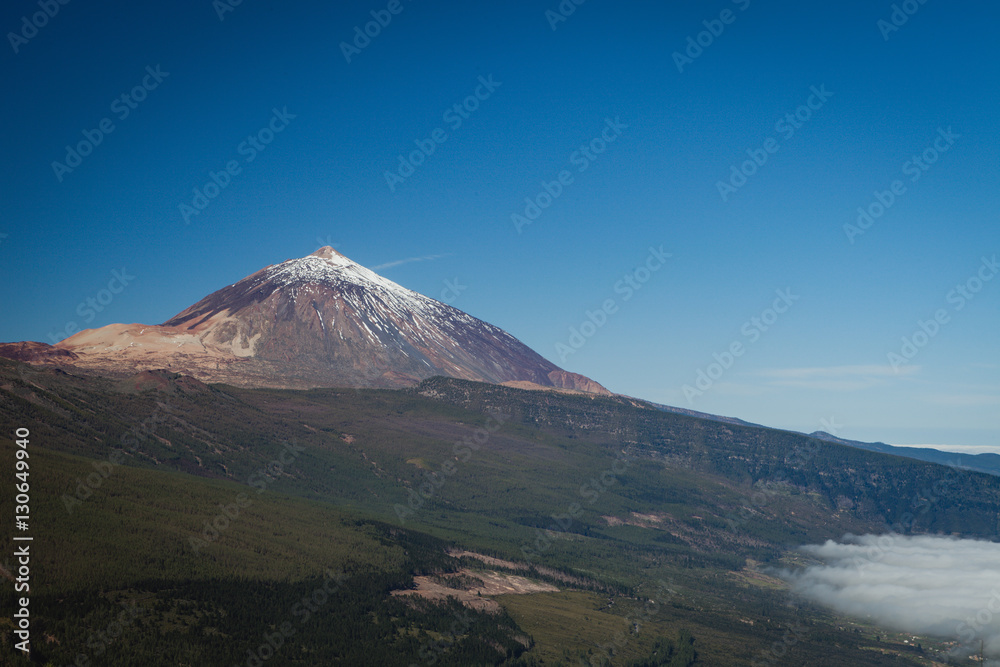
(328, 266)
(323, 320)
(328, 252)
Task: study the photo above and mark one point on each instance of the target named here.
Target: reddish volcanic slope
(34, 353)
(317, 321)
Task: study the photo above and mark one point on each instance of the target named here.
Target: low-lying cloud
(939, 586)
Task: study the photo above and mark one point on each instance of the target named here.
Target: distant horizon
(748, 222)
(780, 213)
(829, 424)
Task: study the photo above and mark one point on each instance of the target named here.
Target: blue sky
(832, 106)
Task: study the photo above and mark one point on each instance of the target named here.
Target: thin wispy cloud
(741, 389)
(835, 378)
(832, 385)
(873, 370)
(939, 586)
(399, 262)
(964, 400)
(983, 366)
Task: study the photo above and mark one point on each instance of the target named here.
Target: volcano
(318, 321)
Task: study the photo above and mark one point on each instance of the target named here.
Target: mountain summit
(321, 320)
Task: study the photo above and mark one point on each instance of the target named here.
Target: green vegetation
(123, 559)
(191, 520)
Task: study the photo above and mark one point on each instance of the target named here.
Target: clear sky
(626, 134)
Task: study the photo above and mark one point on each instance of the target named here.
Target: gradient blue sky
(321, 181)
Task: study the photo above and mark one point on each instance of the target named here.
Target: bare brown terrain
(473, 587)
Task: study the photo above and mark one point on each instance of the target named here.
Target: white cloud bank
(939, 586)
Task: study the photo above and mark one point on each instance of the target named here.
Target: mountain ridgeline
(316, 321)
(604, 497)
(315, 465)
